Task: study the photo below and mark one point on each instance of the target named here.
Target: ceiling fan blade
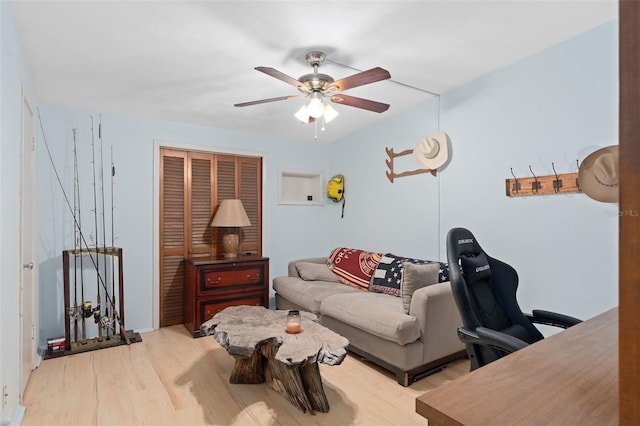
(264, 101)
(280, 76)
(360, 79)
(360, 103)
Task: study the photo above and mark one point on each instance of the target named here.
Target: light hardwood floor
(172, 379)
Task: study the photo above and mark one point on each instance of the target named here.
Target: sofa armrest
(437, 313)
(293, 271)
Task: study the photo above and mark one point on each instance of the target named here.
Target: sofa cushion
(308, 294)
(309, 271)
(354, 267)
(414, 277)
(376, 313)
(388, 274)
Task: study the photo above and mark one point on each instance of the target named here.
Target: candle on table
(293, 322)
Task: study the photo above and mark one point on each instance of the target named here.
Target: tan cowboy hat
(432, 152)
(598, 175)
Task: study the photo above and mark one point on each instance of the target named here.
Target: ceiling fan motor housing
(315, 82)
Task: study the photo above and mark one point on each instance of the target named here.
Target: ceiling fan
(318, 86)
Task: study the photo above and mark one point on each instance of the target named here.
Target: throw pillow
(315, 272)
(416, 276)
(353, 267)
(388, 275)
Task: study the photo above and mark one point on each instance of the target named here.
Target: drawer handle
(217, 281)
(253, 277)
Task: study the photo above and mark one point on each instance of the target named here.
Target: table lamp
(231, 214)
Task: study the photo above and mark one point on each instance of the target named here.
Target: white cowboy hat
(598, 175)
(432, 152)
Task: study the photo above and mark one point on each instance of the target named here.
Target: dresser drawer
(212, 284)
(229, 278)
(207, 308)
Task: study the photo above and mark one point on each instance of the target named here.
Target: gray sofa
(411, 345)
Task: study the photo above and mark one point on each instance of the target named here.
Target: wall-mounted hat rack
(391, 175)
(564, 183)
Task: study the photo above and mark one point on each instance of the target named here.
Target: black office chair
(484, 289)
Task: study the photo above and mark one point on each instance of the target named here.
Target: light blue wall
(399, 217)
(15, 75)
(557, 106)
(290, 231)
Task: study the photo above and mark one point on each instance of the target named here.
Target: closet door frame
(157, 144)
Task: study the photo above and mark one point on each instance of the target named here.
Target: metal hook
(515, 189)
(557, 184)
(535, 185)
(577, 180)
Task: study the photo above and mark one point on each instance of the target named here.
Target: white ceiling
(190, 61)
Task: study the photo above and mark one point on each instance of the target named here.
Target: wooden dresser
(212, 284)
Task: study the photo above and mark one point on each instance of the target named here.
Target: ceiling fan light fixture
(330, 113)
(315, 107)
(303, 114)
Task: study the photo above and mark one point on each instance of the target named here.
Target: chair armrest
(552, 318)
(491, 338)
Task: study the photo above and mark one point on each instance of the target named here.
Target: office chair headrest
(475, 268)
(462, 243)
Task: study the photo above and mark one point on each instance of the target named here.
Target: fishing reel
(86, 309)
(96, 314)
(74, 312)
(106, 322)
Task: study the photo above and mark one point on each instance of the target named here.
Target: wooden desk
(570, 378)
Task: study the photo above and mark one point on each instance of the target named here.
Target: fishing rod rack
(120, 335)
(108, 311)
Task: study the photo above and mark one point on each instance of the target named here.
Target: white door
(28, 342)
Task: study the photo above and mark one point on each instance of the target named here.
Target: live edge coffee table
(265, 352)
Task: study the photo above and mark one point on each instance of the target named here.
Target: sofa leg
(403, 378)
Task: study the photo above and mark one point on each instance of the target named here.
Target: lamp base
(230, 243)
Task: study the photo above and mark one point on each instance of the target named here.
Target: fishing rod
(95, 219)
(75, 241)
(82, 238)
(104, 321)
(78, 230)
(113, 239)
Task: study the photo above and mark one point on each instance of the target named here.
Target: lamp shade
(302, 114)
(315, 108)
(231, 213)
(329, 113)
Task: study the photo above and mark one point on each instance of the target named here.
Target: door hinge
(5, 394)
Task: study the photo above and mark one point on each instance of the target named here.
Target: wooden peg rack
(565, 183)
(391, 175)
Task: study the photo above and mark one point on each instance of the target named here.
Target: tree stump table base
(264, 352)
